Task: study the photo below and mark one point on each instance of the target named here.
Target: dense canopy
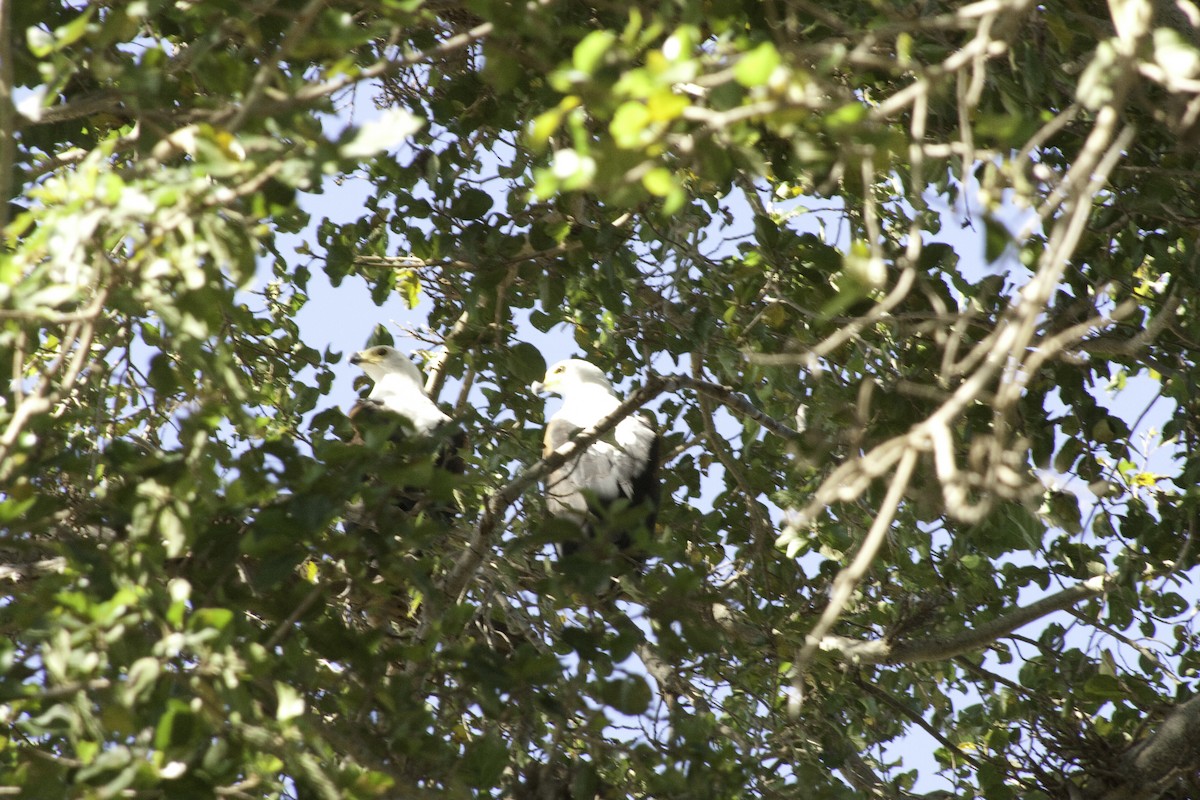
(910, 288)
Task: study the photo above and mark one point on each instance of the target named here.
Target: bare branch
(881, 651)
(727, 396)
(269, 65)
(848, 579)
(758, 518)
(18, 573)
(8, 147)
(286, 627)
(500, 500)
(381, 68)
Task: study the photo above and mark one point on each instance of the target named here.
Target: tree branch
(881, 651)
(500, 501)
(848, 579)
(381, 68)
(269, 66)
(7, 112)
(758, 518)
(1173, 748)
(736, 402)
(107, 101)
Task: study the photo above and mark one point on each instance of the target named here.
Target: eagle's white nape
(622, 466)
(399, 387)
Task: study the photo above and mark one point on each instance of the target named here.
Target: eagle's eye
(558, 369)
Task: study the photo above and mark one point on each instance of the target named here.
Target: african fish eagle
(398, 389)
(621, 466)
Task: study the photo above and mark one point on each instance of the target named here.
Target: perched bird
(620, 470)
(398, 389)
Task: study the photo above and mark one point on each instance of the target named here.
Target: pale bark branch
(8, 120)
(848, 579)
(882, 651)
(1172, 749)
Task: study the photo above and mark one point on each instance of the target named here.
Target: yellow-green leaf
(755, 67)
(659, 181)
(589, 52)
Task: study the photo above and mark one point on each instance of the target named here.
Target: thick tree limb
(102, 102)
(1156, 761)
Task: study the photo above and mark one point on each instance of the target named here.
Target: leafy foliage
(903, 507)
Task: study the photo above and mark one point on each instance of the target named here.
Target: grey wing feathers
(610, 468)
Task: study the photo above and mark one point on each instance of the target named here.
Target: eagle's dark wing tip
(455, 444)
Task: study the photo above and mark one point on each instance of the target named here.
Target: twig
(916, 717)
(736, 402)
(847, 332)
(760, 520)
(285, 627)
(75, 345)
(384, 67)
(68, 690)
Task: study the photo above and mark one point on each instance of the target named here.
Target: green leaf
(485, 760)
(472, 203)
(408, 283)
(289, 704)
(39, 41)
(659, 181)
(629, 124)
(1105, 687)
(591, 49)
(73, 31)
(526, 363)
(997, 239)
(175, 727)
(845, 116)
(755, 67)
(628, 696)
